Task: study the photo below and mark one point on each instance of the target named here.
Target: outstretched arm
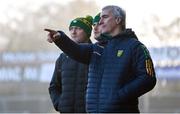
(79, 52)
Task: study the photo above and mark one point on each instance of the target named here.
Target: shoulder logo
(149, 67)
(119, 53)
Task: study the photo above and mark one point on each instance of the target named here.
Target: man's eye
(70, 28)
(78, 28)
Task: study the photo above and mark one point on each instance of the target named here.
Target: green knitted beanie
(83, 22)
(96, 19)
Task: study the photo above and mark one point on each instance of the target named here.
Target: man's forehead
(105, 12)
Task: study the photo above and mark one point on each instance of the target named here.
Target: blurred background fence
(25, 78)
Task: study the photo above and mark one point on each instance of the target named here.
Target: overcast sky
(137, 11)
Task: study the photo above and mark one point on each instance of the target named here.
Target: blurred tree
(167, 32)
(27, 34)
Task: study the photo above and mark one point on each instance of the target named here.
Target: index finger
(49, 30)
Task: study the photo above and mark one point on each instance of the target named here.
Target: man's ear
(118, 20)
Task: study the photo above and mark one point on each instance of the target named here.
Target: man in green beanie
(96, 26)
(68, 85)
(83, 23)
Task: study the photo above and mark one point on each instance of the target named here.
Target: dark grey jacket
(68, 85)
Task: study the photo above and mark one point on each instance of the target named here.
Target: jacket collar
(128, 33)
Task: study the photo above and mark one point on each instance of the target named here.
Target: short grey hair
(117, 12)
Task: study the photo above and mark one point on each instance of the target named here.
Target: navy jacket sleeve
(55, 84)
(79, 52)
(144, 75)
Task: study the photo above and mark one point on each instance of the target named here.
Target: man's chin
(104, 31)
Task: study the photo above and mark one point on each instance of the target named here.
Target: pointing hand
(52, 35)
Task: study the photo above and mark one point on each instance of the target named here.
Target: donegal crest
(119, 53)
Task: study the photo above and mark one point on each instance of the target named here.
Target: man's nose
(95, 27)
(100, 21)
(73, 30)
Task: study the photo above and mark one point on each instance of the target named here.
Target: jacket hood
(128, 33)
